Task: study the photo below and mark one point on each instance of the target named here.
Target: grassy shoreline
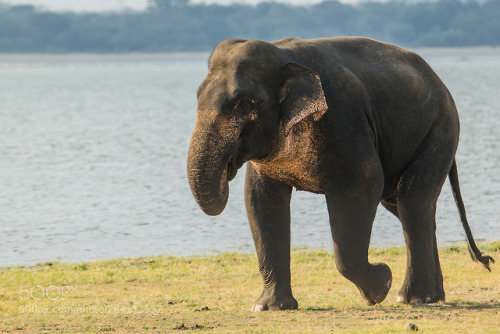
(215, 293)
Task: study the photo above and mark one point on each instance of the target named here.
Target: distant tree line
(177, 25)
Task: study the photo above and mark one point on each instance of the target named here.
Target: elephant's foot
(377, 284)
(414, 293)
(272, 301)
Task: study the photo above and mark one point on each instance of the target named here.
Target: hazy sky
(106, 5)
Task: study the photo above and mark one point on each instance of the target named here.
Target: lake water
(93, 160)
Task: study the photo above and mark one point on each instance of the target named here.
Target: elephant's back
(362, 56)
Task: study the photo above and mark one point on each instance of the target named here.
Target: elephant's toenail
(258, 308)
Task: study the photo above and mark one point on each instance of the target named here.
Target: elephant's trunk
(210, 168)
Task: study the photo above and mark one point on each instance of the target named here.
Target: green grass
(215, 294)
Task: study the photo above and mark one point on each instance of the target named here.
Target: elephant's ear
(301, 96)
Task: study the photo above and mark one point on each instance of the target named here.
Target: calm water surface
(93, 160)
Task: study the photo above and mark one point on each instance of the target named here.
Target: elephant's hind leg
(418, 190)
(423, 282)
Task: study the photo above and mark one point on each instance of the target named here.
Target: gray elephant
(360, 121)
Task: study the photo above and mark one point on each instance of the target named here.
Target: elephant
(360, 121)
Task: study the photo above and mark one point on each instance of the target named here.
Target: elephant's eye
(246, 103)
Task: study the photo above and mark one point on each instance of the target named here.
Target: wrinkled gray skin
(359, 121)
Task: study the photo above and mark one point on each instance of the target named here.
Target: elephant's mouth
(232, 168)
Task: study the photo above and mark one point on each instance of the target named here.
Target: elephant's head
(250, 97)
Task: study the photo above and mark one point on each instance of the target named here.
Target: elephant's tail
(473, 250)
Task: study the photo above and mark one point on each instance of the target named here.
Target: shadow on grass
(442, 306)
(462, 305)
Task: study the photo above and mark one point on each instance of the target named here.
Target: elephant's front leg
(351, 218)
(268, 208)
